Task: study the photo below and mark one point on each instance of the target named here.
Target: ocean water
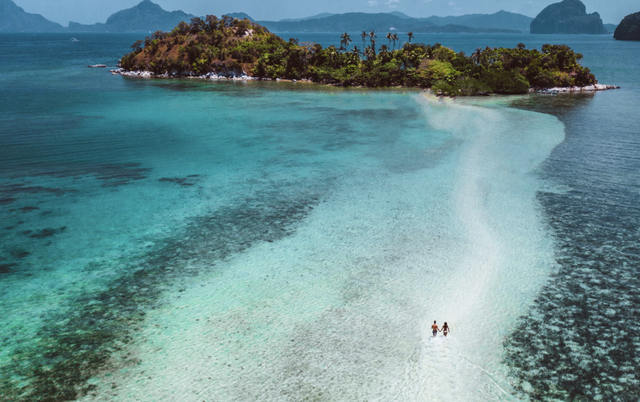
(231, 241)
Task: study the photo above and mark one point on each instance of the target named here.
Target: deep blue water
(124, 202)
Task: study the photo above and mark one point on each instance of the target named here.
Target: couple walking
(445, 329)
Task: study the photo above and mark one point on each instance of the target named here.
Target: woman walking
(445, 329)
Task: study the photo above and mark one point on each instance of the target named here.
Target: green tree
(476, 56)
(137, 46)
(355, 51)
(345, 39)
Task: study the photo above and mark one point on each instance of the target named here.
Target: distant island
(629, 28)
(567, 17)
(229, 47)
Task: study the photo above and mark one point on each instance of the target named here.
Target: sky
(92, 11)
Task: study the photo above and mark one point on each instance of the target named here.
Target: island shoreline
(244, 77)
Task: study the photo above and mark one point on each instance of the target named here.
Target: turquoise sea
(186, 240)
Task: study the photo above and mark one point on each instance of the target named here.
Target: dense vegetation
(231, 45)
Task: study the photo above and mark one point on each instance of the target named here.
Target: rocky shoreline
(588, 88)
(232, 76)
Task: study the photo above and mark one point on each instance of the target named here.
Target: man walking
(435, 328)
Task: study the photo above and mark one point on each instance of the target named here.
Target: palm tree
(356, 51)
(364, 35)
(345, 39)
(394, 38)
(410, 35)
(384, 49)
(372, 39)
(388, 36)
(477, 55)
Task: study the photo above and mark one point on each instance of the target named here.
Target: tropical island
(231, 47)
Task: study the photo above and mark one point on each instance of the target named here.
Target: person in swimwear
(435, 328)
(445, 329)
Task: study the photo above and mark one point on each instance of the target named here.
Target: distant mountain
(348, 22)
(146, 16)
(501, 21)
(451, 28)
(399, 14)
(313, 17)
(454, 20)
(567, 17)
(15, 19)
(240, 16)
(610, 27)
(629, 28)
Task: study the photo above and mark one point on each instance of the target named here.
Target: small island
(567, 17)
(234, 48)
(629, 28)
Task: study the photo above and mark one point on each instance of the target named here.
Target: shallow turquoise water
(189, 240)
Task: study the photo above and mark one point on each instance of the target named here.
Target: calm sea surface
(232, 241)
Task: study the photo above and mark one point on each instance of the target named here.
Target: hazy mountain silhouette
(15, 19)
(146, 16)
(356, 22)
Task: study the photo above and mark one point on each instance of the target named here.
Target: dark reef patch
(118, 174)
(6, 268)
(19, 254)
(181, 181)
(28, 209)
(9, 192)
(78, 343)
(7, 200)
(112, 175)
(48, 232)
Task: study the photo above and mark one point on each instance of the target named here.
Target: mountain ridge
(143, 17)
(354, 22)
(15, 19)
(148, 16)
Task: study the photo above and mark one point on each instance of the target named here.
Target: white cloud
(372, 3)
